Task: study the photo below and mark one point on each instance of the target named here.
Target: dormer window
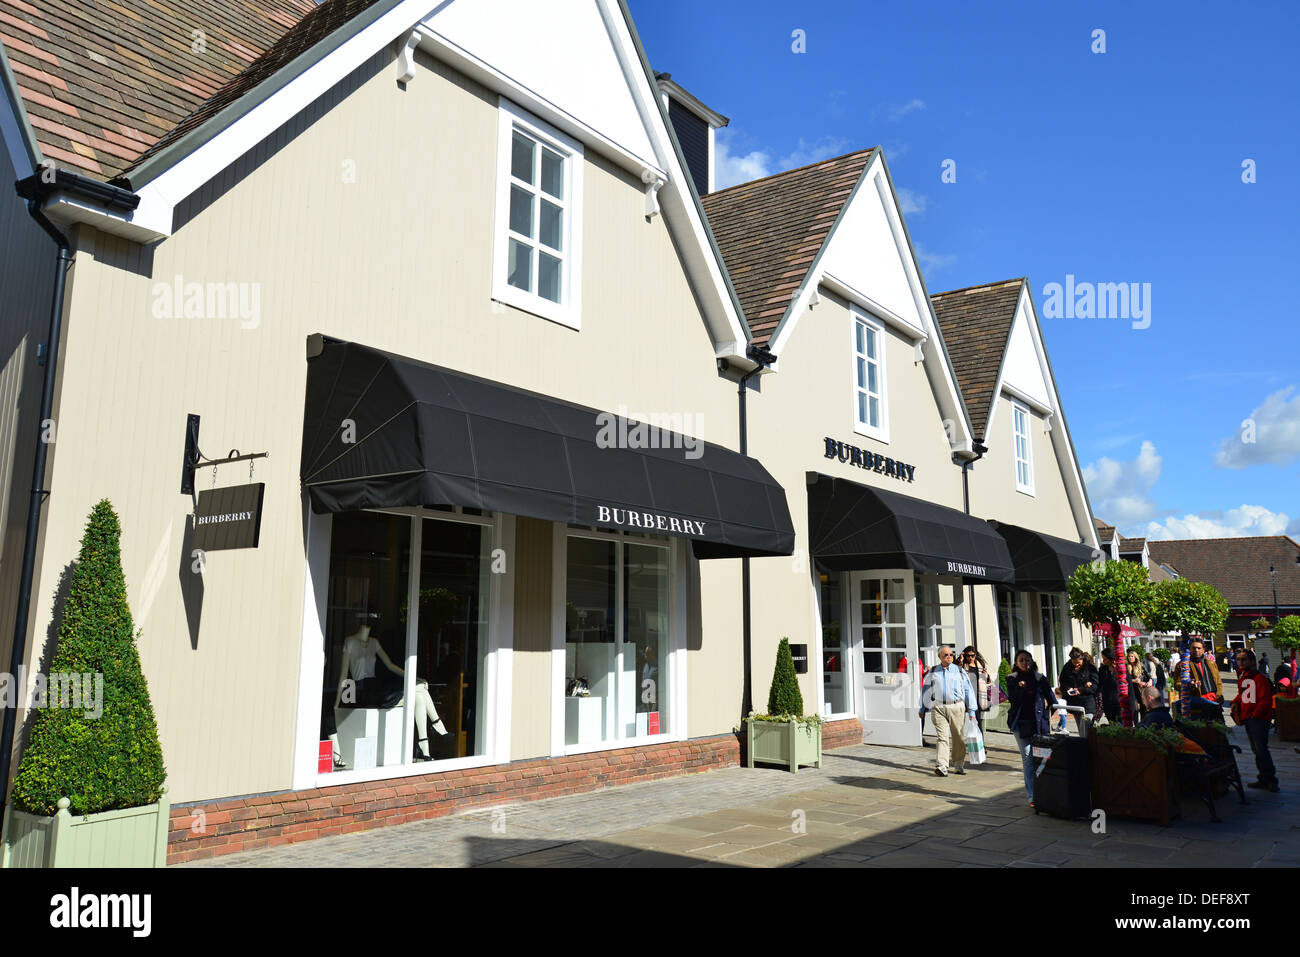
(538, 236)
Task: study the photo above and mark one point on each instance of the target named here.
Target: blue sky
(1117, 166)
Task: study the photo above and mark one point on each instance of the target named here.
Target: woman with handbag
(1031, 700)
(978, 672)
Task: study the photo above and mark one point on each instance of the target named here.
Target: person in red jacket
(1253, 708)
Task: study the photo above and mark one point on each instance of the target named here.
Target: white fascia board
(692, 103)
(1062, 444)
(19, 139)
(682, 213)
(448, 51)
(1026, 399)
(160, 196)
(861, 299)
(68, 210)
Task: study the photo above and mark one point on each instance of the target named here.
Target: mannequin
(360, 651)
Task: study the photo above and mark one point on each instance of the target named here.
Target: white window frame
(1027, 435)
(568, 311)
(879, 432)
(674, 662)
(497, 671)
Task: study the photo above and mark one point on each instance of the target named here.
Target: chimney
(694, 123)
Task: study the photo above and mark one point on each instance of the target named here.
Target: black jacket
(1030, 704)
(1109, 687)
(1085, 679)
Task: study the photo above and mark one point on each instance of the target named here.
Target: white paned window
(869, 412)
(536, 261)
(1020, 420)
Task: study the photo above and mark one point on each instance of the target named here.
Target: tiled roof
(104, 80)
(975, 323)
(770, 231)
(1237, 567)
(1131, 544)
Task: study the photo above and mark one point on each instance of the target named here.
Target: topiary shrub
(1004, 671)
(114, 760)
(784, 697)
(1163, 655)
(1286, 633)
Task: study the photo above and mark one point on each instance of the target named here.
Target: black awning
(1042, 562)
(852, 527)
(383, 431)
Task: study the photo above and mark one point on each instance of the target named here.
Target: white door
(882, 619)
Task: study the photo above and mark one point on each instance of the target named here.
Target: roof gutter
(36, 189)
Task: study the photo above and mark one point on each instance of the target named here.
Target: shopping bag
(974, 742)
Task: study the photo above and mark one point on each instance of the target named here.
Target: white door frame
(887, 704)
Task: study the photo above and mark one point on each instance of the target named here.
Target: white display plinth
(584, 720)
(369, 736)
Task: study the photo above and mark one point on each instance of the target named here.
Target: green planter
(130, 837)
(788, 743)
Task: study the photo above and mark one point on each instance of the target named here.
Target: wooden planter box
(784, 742)
(1134, 779)
(1287, 711)
(130, 837)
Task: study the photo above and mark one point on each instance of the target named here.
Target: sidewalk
(869, 806)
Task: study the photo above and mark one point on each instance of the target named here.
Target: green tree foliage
(1004, 670)
(1286, 633)
(114, 760)
(1186, 606)
(784, 697)
(1109, 595)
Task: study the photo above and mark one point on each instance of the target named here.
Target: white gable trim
(943, 382)
(20, 142)
(1063, 447)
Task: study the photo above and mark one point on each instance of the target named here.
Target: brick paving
(869, 806)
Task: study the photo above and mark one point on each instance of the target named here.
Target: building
(1258, 576)
(446, 281)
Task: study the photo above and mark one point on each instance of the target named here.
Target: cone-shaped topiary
(109, 761)
(784, 698)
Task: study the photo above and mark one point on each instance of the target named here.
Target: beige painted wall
(808, 400)
(400, 259)
(993, 491)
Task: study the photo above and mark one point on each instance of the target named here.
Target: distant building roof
(1237, 567)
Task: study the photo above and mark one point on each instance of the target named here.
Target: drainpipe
(966, 464)
(36, 189)
(764, 359)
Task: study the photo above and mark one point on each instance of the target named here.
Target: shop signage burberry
(229, 517)
(633, 518)
(871, 461)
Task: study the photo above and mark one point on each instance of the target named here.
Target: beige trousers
(948, 720)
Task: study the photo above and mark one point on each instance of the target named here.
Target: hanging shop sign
(871, 461)
(229, 517)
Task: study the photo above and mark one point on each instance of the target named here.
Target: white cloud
(932, 262)
(1270, 436)
(806, 153)
(896, 113)
(1233, 523)
(729, 170)
(910, 202)
(1119, 489)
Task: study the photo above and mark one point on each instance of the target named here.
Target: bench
(1210, 775)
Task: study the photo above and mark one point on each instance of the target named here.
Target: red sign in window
(653, 722)
(325, 758)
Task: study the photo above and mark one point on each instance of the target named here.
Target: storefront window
(371, 638)
(884, 624)
(1053, 612)
(616, 641)
(835, 697)
(362, 708)
(1013, 632)
(936, 609)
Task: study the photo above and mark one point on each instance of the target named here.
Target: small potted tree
(784, 735)
(1190, 608)
(1286, 637)
(1109, 595)
(89, 790)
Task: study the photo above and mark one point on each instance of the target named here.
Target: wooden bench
(1209, 776)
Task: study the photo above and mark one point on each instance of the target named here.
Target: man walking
(947, 693)
(1253, 708)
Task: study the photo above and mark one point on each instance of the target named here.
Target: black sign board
(800, 655)
(229, 517)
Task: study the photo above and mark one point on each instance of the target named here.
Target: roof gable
(770, 232)
(976, 324)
